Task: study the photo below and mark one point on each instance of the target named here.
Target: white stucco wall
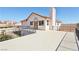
(58, 26)
(45, 25)
(41, 27)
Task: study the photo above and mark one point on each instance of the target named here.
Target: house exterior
(36, 21)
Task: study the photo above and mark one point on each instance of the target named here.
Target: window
(41, 23)
(47, 22)
(57, 23)
(31, 23)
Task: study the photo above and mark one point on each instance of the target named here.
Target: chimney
(53, 17)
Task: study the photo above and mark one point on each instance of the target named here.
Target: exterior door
(35, 24)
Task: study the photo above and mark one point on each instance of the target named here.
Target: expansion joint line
(61, 41)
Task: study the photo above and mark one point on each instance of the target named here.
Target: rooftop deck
(42, 41)
(68, 43)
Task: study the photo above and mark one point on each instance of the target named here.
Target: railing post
(77, 37)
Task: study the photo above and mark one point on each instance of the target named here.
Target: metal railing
(77, 33)
(77, 37)
(23, 32)
(27, 28)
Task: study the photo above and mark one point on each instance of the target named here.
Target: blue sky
(20, 13)
(67, 15)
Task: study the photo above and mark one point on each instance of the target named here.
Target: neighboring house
(17, 25)
(37, 21)
(7, 24)
(24, 24)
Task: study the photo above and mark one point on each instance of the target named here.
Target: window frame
(47, 22)
(41, 23)
(31, 22)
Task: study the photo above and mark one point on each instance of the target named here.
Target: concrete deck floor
(68, 43)
(41, 41)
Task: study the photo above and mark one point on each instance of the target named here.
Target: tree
(4, 37)
(3, 32)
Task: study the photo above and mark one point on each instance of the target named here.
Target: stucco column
(45, 24)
